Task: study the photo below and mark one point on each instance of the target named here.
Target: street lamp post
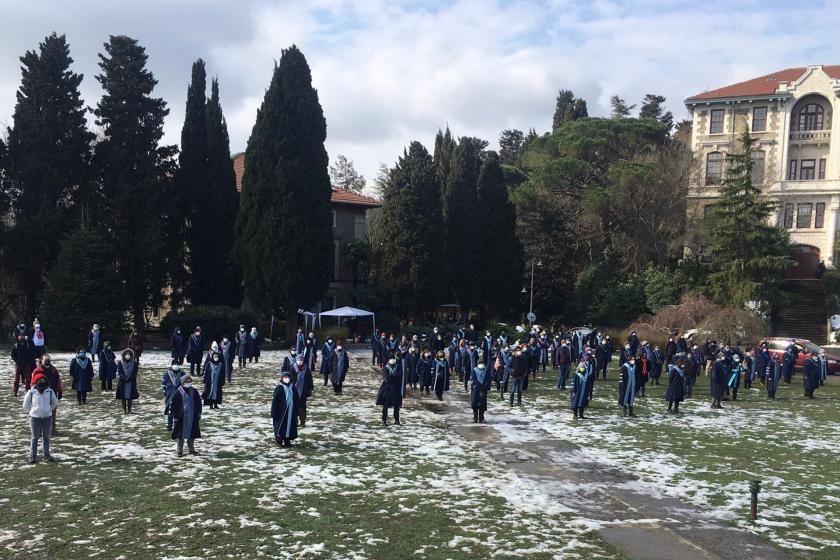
(531, 304)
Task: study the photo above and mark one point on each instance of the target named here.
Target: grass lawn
(349, 489)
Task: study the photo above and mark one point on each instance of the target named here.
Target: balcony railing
(810, 135)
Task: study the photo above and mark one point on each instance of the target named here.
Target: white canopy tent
(348, 312)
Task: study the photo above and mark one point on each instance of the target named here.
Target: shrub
(216, 321)
(337, 333)
(733, 326)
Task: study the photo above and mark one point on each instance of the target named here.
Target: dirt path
(627, 513)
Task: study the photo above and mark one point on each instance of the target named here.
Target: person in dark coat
(214, 380)
(733, 381)
(633, 341)
(822, 363)
(788, 363)
(384, 350)
(670, 350)
(301, 379)
(564, 363)
(226, 349)
(627, 386)
(339, 364)
(693, 367)
(469, 361)
(506, 366)
(178, 346)
(811, 375)
(169, 383)
(127, 380)
(437, 342)
(23, 355)
(186, 415)
(625, 354)
(390, 392)
(675, 394)
(107, 367)
(374, 350)
(326, 359)
(95, 342)
(773, 376)
(300, 341)
(480, 385)
(425, 371)
(81, 370)
(243, 346)
(309, 353)
(656, 363)
(136, 343)
(603, 357)
(195, 347)
(579, 396)
(682, 344)
(519, 371)
(452, 357)
(254, 346)
(440, 374)
(285, 404)
(717, 380)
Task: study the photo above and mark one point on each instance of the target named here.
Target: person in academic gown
(226, 349)
(243, 346)
(178, 346)
(627, 386)
(254, 346)
(169, 383)
(284, 411)
(811, 375)
(441, 375)
(81, 370)
(480, 384)
(579, 396)
(822, 363)
(773, 376)
(195, 348)
(186, 415)
(564, 362)
(733, 381)
(107, 367)
(425, 371)
(214, 380)
(717, 380)
(127, 380)
(95, 342)
(326, 359)
(412, 360)
(390, 393)
(339, 364)
(675, 394)
(788, 362)
(301, 379)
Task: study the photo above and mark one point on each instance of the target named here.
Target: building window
(716, 122)
(336, 263)
(811, 117)
(359, 226)
(806, 170)
(334, 222)
(757, 167)
(803, 215)
(788, 221)
(792, 170)
(714, 168)
(708, 210)
(819, 215)
(759, 122)
(822, 169)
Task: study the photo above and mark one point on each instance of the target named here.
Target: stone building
(789, 115)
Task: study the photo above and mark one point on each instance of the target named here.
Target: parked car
(777, 346)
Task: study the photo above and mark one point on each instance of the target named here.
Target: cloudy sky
(389, 72)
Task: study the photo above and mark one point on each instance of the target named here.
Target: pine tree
(444, 147)
(136, 193)
(410, 258)
(344, 175)
(749, 256)
(85, 288)
(224, 204)
(620, 109)
(46, 165)
(284, 240)
(191, 182)
(499, 248)
(568, 108)
(652, 109)
(460, 217)
(511, 144)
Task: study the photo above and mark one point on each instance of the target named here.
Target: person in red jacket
(53, 380)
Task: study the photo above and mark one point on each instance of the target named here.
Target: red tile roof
(339, 196)
(763, 85)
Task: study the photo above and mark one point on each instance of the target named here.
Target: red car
(777, 346)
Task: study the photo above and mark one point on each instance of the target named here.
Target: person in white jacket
(39, 404)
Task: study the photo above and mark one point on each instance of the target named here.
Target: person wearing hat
(390, 393)
(772, 376)
(127, 380)
(214, 380)
(675, 394)
(214, 347)
(39, 340)
(169, 384)
(579, 396)
(735, 373)
(254, 346)
(243, 346)
(811, 375)
(339, 364)
(627, 383)
(185, 411)
(178, 346)
(301, 379)
(195, 348)
(717, 380)
(284, 411)
(440, 374)
(40, 403)
(23, 355)
(95, 341)
(107, 367)
(81, 370)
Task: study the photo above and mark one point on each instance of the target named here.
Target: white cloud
(391, 72)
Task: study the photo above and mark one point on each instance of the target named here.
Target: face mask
(392, 362)
(329, 341)
(338, 347)
(197, 333)
(176, 368)
(37, 325)
(481, 366)
(177, 331)
(80, 355)
(127, 358)
(241, 330)
(215, 358)
(299, 363)
(487, 333)
(188, 385)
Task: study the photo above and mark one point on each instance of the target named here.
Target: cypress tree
(460, 216)
(223, 202)
(499, 249)
(284, 240)
(135, 186)
(85, 288)
(46, 163)
(191, 182)
(444, 146)
(568, 108)
(749, 256)
(411, 265)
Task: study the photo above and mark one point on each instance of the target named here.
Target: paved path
(645, 526)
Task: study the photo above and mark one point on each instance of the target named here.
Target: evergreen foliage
(652, 109)
(568, 108)
(344, 175)
(284, 238)
(511, 145)
(620, 109)
(444, 147)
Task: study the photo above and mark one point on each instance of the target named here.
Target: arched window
(811, 117)
(714, 168)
